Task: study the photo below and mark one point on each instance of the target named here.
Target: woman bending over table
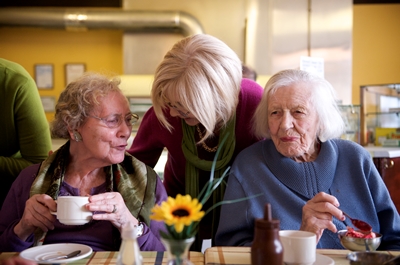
(198, 97)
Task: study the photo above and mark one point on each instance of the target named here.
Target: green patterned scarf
(194, 163)
(134, 180)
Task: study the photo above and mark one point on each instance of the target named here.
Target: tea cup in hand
(71, 210)
(299, 247)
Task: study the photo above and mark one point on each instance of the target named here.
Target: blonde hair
(204, 75)
(77, 101)
(323, 98)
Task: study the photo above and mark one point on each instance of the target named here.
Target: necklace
(203, 144)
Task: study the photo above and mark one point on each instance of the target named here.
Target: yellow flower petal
(179, 227)
(179, 212)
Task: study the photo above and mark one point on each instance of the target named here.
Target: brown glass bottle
(266, 247)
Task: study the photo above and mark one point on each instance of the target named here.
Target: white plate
(41, 254)
(323, 260)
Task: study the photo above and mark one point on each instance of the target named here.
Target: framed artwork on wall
(73, 71)
(44, 76)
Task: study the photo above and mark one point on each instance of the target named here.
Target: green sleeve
(26, 138)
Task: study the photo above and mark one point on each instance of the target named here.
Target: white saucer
(323, 260)
(41, 254)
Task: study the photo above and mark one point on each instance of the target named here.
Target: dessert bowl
(359, 244)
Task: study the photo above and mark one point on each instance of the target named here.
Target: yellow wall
(99, 50)
(376, 46)
(376, 52)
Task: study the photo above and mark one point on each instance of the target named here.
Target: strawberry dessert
(358, 234)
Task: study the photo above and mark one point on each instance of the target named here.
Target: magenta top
(152, 137)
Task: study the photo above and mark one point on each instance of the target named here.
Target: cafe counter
(383, 152)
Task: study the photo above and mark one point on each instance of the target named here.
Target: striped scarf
(134, 180)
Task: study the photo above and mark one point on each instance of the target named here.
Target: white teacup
(299, 247)
(71, 210)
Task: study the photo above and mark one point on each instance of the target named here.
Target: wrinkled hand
(16, 261)
(36, 215)
(318, 214)
(112, 208)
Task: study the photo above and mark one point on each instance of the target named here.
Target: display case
(139, 105)
(380, 108)
(351, 117)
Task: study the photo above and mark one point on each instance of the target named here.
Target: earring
(77, 136)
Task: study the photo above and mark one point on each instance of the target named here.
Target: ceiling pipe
(86, 19)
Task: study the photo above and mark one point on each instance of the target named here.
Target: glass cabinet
(351, 117)
(139, 105)
(380, 108)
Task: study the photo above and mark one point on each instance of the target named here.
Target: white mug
(71, 210)
(299, 247)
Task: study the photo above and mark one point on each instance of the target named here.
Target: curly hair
(77, 101)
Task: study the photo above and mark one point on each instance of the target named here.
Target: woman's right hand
(318, 214)
(17, 261)
(36, 215)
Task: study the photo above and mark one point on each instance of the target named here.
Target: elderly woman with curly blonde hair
(94, 116)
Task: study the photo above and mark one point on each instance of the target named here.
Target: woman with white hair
(198, 97)
(304, 170)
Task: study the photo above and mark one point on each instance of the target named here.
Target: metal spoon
(70, 255)
(366, 246)
(364, 227)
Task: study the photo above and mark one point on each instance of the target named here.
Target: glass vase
(178, 250)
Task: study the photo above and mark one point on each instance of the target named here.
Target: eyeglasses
(115, 120)
(184, 114)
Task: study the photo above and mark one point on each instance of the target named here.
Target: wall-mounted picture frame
(44, 76)
(73, 71)
(49, 103)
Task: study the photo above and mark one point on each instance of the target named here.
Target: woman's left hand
(112, 208)
(318, 214)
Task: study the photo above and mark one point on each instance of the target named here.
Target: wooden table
(110, 258)
(216, 255)
(241, 255)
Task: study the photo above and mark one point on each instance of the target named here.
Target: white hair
(323, 99)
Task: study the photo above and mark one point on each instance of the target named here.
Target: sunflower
(179, 212)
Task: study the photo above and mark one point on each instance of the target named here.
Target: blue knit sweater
(343, 169)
